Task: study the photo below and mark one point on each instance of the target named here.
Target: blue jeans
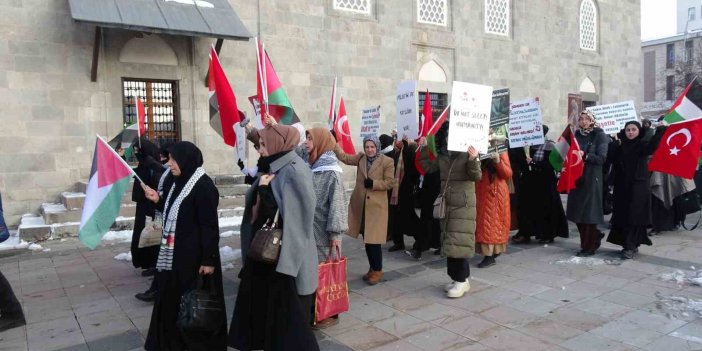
(4, 232)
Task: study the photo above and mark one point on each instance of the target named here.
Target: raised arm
(351, 160)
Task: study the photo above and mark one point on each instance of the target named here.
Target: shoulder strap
(448, 177)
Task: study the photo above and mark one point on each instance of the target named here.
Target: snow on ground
(230, 221)
(31, 221)
(680, 307)
(35, 247)
(53, 207)
(126, 256)
(588, 261)
(69, 194)
(13, 242)
(121, 236)
(228, 256)
(683, 278)
(228, 233)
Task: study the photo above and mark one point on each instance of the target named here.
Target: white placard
(469, 121)
(240, 141)
(613, 117)
(258, 123)
(407, 104)
(525, 123)
(370, 122)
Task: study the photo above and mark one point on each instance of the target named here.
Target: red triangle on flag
(141, 117)
(110, 168)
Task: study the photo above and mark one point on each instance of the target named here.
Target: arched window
(358, 6)
(432, 12)
(497, 17)
(588, 25)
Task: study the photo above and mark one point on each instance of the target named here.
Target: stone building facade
(51, 111)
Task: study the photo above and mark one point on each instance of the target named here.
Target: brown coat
(493, 204)
(372, 202)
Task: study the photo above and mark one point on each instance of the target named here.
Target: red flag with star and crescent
(679, 150)
(342, 130)
(573, 167)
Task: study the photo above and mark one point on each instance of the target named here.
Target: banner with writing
(613, 117)
(370, 122)
(407, 105)
(575, 106)
(499, 119)
(240, 141)
(258, 123)
(469, 121)
(525, 124)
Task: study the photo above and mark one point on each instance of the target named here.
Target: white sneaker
(458, 290)
(449, 286)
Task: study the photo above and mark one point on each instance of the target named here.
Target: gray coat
(332, 214)
(294, 194)
(585, 201)
(458, 228)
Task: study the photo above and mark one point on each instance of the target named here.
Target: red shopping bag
(332, 292)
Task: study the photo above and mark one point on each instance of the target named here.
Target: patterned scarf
(326, 162)
(369, 160)
(593, 125)
(165, 254)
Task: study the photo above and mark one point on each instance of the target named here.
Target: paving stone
(54, 334)
(507, 339)
(438, 339)
(589, 342)
(508, 317)
(403, 325)
(365, 338)
(127, 340)
(670, 343)
(549, 330)
(627, 333)
(577, 319)
(472, 327)
(690, 332)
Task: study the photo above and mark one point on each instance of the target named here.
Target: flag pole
(260, 75)
(264, 58)
(120, 158)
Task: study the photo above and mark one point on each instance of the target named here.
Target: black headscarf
(442, 139)
(188, 157)
(145, 149)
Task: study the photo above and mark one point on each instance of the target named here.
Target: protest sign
(469, 123)
(499, 119)
(240, 141)
(370, 122)
(613, 117)
(258, 123)
(575, 106)
(407, 105)
(525, 124)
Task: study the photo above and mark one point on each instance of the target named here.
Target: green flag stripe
(673, 117)
(104, 216)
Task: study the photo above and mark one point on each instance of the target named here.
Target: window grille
(358, 6)
(439, 101)
(160, 99)
(432, 12)
(497, 17)
(588, 25)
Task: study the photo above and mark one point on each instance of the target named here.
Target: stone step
(232, 179)
(231, 202)
(58, 213)
(33, 228)
(63, 230)
(232, 190)
(72, 200)
(230, 212)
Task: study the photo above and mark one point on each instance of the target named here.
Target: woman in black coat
(585, 201)
(189, 248)
(631, 214)
(150, 171)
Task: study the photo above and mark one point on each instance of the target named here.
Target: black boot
(146, 296)
(396, 247)
(487, 262)
(416, 254)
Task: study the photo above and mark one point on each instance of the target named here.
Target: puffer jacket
(458, 228)
(493, 204)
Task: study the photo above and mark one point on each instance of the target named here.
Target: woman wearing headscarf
(149, 170)
(631, 213)
(331, 213)
(274, 302)
(458, 171)
(493, 216)
(585, 201)
(368, 208)
(189, 248)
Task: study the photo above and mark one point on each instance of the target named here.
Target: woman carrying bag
(189, 249)
(274, 304)
(331, 213)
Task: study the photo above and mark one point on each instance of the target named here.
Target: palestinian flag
(224, 112)
(109, 179)
(431, 134)
(424, 127)
(276, 102)
(560, 150)
(132, 132)
(688, 105)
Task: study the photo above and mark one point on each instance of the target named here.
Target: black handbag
(201, 308)
(689, 202)
(267, 242)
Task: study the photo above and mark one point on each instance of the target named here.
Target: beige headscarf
(279, 138)
(322, 141)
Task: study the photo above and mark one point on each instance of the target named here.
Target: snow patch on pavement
(683, 278)
(680, 307)
(230, 221)
(121, 236)
(125, 256)
(588, 261)
(228, 233)
(228, 255)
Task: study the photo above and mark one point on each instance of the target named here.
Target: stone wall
(51, 111)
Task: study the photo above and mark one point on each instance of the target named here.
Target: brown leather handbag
(267, 242)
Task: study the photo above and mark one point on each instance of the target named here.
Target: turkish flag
(573, 167)
(342, 130)
(679, 150)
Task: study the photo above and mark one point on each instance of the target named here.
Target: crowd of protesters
(454, 204)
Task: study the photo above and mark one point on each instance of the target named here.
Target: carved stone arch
(432, 69)
(148, 49)
(588, 90)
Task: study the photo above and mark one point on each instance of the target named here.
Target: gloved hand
(368, 183)
(240, 164)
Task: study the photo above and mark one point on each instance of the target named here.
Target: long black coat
(406, 220)
(196, 244)
(632, 192)
(585, 201)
